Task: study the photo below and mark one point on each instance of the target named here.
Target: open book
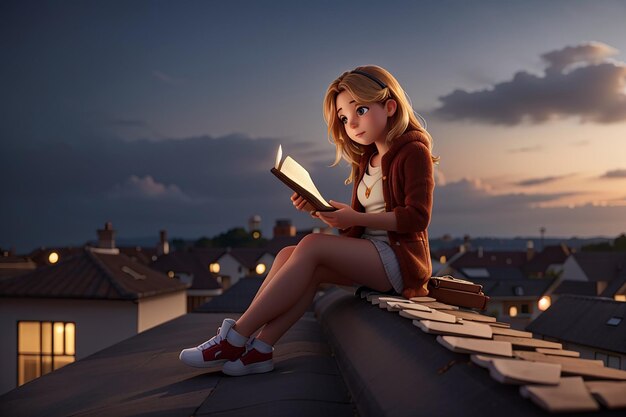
(298, 179)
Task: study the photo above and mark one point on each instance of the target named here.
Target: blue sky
(167, 114)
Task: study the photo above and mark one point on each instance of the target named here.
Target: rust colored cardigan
(408, 185)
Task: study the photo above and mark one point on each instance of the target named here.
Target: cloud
(147, 188)
(540, 181)
(579, 81)
(469, 206)
(190, 186)
(615, 173)
(472, 195)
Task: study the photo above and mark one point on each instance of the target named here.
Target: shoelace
(212, 341)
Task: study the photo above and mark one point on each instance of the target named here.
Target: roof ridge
(122, 292)
(590, 297)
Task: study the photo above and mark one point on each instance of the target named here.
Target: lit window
(442, 259)
(53, 257)
(256, 235)
(170, 274)
(44, 347)
(620, 297)
(214, 267)
(513, 311)
(260, 269)
(544, 303)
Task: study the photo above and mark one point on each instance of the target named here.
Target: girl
(383, 242)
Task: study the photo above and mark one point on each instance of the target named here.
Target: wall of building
(230, 266)
(99, 324)
(161, 308)
(572, 271)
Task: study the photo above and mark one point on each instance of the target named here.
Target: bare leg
(357, 259)
(272, 331)
(279, 261)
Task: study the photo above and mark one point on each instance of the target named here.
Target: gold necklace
(368, 190)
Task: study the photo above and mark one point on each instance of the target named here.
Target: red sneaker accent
(222, 351)
(253, 356)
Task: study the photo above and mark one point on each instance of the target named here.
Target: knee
(310, 244)
(284, 254)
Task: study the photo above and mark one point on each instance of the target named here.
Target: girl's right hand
(301, 204)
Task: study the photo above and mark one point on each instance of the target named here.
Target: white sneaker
(213, 352)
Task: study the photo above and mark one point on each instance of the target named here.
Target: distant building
(83, 303)
(517, 301)
(606, 271)
(593, 326)
(190, 268)
(11, 265)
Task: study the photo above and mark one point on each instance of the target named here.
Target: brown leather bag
(458, 292)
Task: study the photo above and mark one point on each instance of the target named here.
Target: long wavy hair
(366, 90)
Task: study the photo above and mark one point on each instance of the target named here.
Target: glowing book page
(298, 174)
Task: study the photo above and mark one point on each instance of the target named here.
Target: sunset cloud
(472, 195)
(615, 173)
(540, 181)
(579, 81)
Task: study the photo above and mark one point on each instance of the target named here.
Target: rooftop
(91, 274)
(584, 320)
(350, 357)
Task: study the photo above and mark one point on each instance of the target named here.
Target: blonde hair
(366, 90)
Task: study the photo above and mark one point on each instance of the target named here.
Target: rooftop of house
(550, 255)
(481, 258)
(191, 263)
(143, 376)
(92, 274)
(356, 358)
(576, 288)
(602, 266)
(506, 288)
(588, 321)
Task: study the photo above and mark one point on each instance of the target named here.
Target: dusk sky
(167, 115)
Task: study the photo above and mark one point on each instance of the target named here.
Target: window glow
(69, 339)
(619, 297)
(442, 259)
(256, 234)
(170, 274)
(260, 269)
(214, 267)
(544, 303)
(513, 311)
(43, 347)
(53, 257)
(57, 339)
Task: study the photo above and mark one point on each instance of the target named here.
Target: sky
(168, 114)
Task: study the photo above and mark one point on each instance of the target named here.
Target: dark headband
(371, 77)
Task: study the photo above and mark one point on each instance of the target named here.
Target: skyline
(162, 115)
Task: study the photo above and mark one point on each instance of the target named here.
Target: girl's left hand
(342, 218)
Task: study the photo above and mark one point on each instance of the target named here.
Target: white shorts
(390, 263)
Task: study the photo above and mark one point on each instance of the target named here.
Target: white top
(376, 201)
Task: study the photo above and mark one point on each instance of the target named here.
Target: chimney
(530, 250)
(106, 237)
(284, 228)
(254, 223)
(163, 247)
